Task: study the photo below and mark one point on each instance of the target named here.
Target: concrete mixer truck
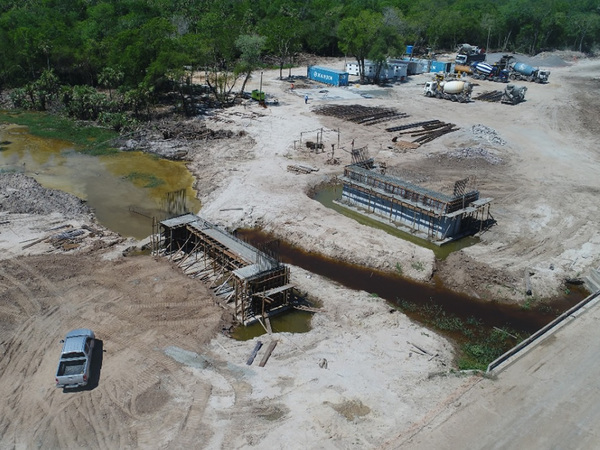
(485, 71)
(468, 54)
(524, 72)
(513, 94)
(455, 90)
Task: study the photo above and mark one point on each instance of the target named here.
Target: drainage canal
(482, 329)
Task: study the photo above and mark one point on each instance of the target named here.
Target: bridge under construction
(429, 214)
(255, 283)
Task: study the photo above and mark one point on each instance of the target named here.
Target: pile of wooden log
(490, 96)
(297, 168)
(364, 115)
(423, 132)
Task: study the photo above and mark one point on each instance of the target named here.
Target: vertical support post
(260, 100)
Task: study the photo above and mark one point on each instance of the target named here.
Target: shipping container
(327, 76)
(441, 66)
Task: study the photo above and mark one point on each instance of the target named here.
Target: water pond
(125, 189)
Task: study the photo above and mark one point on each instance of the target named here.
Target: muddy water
(397, 290)
(125, 189)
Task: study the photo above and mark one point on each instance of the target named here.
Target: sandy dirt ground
(363, 375)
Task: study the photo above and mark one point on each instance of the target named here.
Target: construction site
(254, 283)
(426, 213)
(365, 374)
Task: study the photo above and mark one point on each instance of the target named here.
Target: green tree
(110, 78)
(251, 47)
(358, 35)
(283, 39)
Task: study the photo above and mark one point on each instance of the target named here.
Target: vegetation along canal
(482, 329)
(125, 189)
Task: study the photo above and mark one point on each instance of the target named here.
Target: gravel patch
(486, 133)
(474, 152)
(21, 194)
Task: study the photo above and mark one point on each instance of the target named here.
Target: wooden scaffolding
(256, 284)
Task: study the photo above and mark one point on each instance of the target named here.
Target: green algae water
(125, 189)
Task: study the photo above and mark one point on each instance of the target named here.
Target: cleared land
(169, 378)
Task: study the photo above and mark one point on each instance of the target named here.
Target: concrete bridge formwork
(423, 212)
(256, 284)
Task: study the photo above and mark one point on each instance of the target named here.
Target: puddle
(292, 321)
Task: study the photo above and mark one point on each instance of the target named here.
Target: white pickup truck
(75, 359)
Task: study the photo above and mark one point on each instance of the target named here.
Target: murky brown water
(125, 189)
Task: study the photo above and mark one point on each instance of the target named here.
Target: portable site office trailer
(394, 69)
(327, 76)
(417, 66)
(398, 69)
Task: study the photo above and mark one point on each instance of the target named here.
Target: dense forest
(133, 49)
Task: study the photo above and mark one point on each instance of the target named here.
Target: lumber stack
(423, 132)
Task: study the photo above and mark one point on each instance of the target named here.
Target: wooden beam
(267, 355)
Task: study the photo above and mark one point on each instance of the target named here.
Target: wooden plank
(254, 353)
(270, 349)
(406, 144)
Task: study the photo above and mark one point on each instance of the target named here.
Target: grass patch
(88, 139)
(478, 346)
(419, 266)
(145, 179)
(399, 268)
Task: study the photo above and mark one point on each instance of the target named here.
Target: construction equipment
(455, 90)
(462, 68)
(258, 95)
(467, 54)
(513, 94)
(524, 72)
(485, 71)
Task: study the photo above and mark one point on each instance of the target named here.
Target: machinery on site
(461, 69)
(524, 72)
(455, 90)
(485, 71)
(468, 54)
(513, 94)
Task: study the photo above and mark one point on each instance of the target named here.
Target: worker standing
(306, 98)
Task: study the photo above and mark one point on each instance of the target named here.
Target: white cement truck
(455, 90)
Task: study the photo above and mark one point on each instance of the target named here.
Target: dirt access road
(363, 375)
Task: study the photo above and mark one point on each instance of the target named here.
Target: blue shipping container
(327, 76)
(440, 66)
